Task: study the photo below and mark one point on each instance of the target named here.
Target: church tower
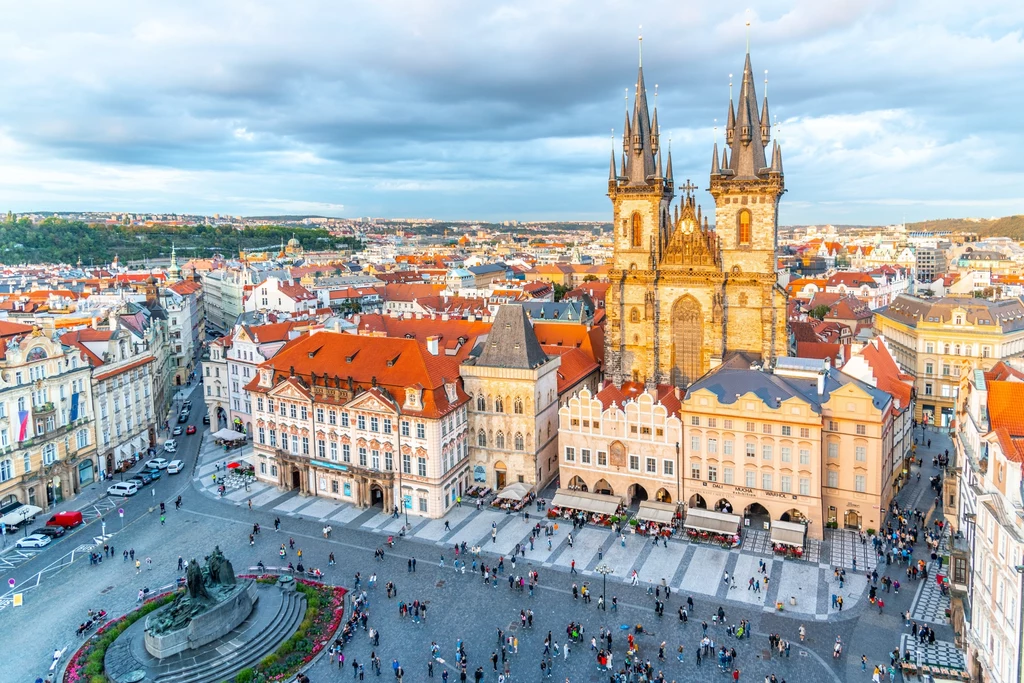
(747, 187)
(641, 192)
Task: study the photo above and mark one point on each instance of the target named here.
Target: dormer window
(412, 398)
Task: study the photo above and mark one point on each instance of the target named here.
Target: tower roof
(512, 342)
(640, 154)
(747, 158)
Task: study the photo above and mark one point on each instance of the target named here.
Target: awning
(229, 435)
(584, 500)
(653, 511)
(789, 533)
(516, 491)
(714, 522)
(19, 515)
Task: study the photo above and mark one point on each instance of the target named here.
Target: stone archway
(376, 495)
(637, 493)
(723, 505)
(663, 496)
(602, 486)
(577, 484)
(851, 519)
(757, 516)
(697, 501)
(687, 341)
(499, 475)
(792, 515)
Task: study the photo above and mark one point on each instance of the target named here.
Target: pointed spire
(657, 169)
(622, 173)
(668, 171)
(747, 156)
(766, 121)
(777, 158)
(611, 169)
(714, 161)
(725, 158)
(626, 134)
(730, 121)
(654, 124)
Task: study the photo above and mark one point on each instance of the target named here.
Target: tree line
(56, 240)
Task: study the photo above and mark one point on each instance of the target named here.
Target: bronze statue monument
(208, 586)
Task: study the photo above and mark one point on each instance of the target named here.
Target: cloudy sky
(485, 110)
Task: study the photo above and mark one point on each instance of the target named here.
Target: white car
(171, 446)
(155, 463)
(33, 541)
(124, 488)
(175, 466)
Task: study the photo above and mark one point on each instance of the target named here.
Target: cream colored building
(47, 445)
(936, 340)
(367, 420)
(513, 414)
(797, 442)
(989, 553)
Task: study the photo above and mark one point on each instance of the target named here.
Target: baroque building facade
(683, 295)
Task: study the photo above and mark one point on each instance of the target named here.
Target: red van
(68, 520)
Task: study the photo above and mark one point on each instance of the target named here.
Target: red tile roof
(391, 363)
(1006, 416)
(665, 394)
(575, 366)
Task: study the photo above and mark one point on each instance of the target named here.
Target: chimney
(821, 383)
(432, 343)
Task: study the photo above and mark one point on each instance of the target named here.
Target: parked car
(155, 464)
(51, 531)
(153, 474)
(186, 406)
(182, 418)
(170, 445)
(124, 488)
(177, 431)
(68, 520)
(191, 429)
(175, 466)
(33, 541)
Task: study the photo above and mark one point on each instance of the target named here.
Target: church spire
(714, 160)
(766, 121)
(611, 169)
(747, 158)
(668, 169)
(642, 148)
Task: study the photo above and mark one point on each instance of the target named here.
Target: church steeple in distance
(747, 133)
(640, 162)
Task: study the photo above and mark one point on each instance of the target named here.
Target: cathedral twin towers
(683, 295)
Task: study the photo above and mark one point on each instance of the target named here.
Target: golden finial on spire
(748, 31)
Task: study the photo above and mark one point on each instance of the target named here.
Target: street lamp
(604, 570)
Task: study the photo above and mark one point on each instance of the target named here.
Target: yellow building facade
(938, 340)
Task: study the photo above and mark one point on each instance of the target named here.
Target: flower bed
(87, 663)
(324, 612)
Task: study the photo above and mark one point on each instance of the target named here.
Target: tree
(589, 277)
(819, 312)
(560, 291)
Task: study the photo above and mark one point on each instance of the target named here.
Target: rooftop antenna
(640, 40)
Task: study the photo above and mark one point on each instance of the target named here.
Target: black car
(206, 419)
(142, 479)
(51, 531)
(182, 418)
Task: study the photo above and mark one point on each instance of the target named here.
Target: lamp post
(604, 570)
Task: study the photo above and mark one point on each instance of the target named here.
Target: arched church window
(481, 438)
(636, 233)
(518, 406)
(744, 227)
(499, 440)
(634, 316)
(519, 441)
(499, 406)
(481, 404)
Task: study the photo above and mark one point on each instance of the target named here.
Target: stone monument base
(205, 627)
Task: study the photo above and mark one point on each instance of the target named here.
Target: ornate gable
(692, 244)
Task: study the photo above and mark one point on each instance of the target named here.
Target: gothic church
(684, 295)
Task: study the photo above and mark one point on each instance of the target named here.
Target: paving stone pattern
(930, 604)
(940, 653)
(760, 541)
(845, 546)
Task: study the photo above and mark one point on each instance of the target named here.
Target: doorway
(296, 479)
(851, 519)
(499, 476)
(376, 496)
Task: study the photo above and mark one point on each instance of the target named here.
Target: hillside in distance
(1007, 226)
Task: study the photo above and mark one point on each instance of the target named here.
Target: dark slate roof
(734, 379)
(562, 311)
(1008, 314)
(512, 342)
(488, 268)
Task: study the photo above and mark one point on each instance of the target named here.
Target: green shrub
(245, 675)
(268, 661)
(633, 522)
(871, 532)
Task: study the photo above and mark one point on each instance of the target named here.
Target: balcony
(43, 408)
